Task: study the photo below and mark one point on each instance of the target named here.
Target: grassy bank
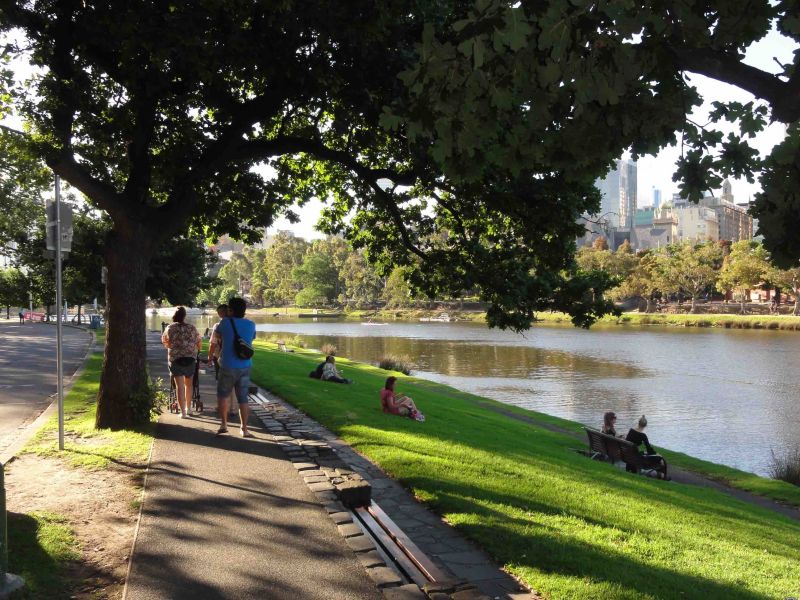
(567, 526)
(43, 546)
(783, 322)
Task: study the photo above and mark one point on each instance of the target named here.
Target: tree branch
(104, 195)
(784, 97)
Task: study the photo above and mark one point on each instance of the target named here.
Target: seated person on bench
(329, 372)
(609, 421)
(637, 436)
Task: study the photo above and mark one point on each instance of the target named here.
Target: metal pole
(59, 361)
(9, 583)
(3, 528)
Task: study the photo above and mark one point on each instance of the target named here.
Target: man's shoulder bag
(240, 348)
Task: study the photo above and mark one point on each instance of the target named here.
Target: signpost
(59, 239)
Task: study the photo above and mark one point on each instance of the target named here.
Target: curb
(138, 520)
(9, 454)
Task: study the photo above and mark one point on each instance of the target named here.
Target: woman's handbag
(241, 348)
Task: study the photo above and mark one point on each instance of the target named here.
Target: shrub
(149, 402)
(786, 466)
(402, 364)
(298, 342)
(328, 349)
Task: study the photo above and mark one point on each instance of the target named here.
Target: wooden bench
(613, 449)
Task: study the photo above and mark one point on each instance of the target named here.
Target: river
(728, 396)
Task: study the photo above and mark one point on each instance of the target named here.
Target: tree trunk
(79, 313)
(693, 308)
(648, 307)
(796, 310)
(124, 372)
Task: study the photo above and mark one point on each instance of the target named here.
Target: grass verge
(43, 543)
(782, 322)
(567, 526)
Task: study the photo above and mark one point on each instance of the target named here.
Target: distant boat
(441, 318)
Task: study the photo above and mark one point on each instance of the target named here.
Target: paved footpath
(226, 517)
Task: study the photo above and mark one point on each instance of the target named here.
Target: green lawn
(567, 526)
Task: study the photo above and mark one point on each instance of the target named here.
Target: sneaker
(419, 417)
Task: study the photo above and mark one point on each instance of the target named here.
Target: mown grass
(42, 543)
(85, 446)
(567, 526)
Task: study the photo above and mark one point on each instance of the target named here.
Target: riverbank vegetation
(567, 526)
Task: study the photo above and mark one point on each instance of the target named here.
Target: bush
(149, 402)
(298, 342)
(786, 466)
(328, 349)
(402, 364)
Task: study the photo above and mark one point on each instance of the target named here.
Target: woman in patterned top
(183, 342)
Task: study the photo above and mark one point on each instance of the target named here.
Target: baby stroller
(197, 405)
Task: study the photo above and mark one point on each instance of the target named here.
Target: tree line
(323, 272)
(689, 270)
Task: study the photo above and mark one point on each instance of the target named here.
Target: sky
(653, 171)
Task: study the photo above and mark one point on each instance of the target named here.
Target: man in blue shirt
(234, 372)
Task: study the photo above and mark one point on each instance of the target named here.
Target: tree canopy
(459, 141)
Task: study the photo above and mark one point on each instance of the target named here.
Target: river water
(728, 396)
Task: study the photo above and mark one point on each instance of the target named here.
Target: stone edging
(312, 450)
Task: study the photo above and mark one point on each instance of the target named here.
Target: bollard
(8, 583)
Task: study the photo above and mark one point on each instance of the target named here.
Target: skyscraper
(656, 197)
(619, 192)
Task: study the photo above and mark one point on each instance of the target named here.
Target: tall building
(656, 198)
(735, 223)
(619, 193)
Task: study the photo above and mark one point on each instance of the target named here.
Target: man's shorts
(233, 379)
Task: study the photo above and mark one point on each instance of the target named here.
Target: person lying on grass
(329, 372)
(403, 406)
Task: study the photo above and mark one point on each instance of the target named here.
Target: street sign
(66, 226)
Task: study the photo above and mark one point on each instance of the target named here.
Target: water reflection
(700, 389)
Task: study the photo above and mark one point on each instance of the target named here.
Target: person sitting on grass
(403, 406)
(329, 372)
(652, 459)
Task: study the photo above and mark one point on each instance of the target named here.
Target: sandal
(222, 431)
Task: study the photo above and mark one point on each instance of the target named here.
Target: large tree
(691, 268)
(470, 170)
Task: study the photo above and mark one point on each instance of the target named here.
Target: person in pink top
(403, 405)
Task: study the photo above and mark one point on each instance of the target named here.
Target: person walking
(21, 316)
(213, 355)
(234, 368)
(183, 342)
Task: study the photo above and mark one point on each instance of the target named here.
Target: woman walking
(183, 342)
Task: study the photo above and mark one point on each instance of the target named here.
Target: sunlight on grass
(85, 446)
(568, 526)
(41, 543)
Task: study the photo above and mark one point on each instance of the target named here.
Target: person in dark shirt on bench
(637, 436)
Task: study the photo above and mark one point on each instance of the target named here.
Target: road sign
(66, 226)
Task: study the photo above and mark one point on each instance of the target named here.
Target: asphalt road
(28, 371)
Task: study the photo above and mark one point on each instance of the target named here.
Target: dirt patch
(101, 507)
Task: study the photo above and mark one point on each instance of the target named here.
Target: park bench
(613, 449)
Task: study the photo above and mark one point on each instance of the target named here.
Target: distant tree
(238, 271)
(285, 253)
(743, 269)
(396, 292)
(83, 265)
(644, 280)
(179, 270)
(258, 277)
(790, 279)
(316, 278)
(600, 243)
(691, 268)
(361, 284)
(14, 288)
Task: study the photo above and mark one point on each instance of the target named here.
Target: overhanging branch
(784, 97)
